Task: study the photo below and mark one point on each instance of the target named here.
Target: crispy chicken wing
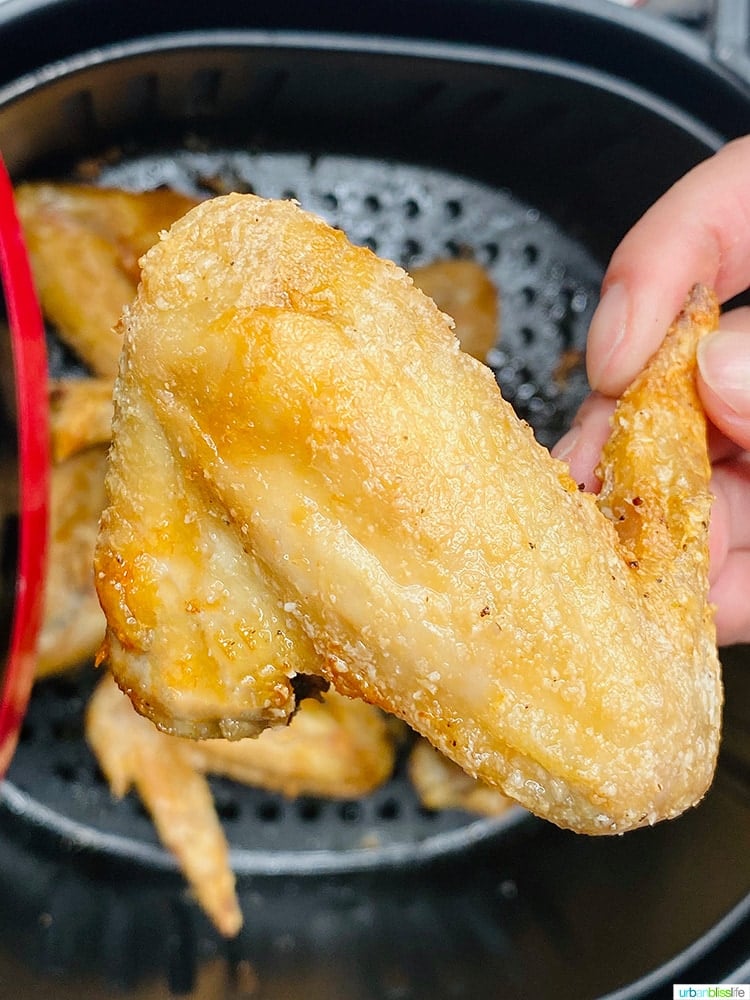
(441, 784)
(73, 624)
(302, 455)
(131, 752)
(336, 748)
(463, 289)
(84, 243)
(80, 414)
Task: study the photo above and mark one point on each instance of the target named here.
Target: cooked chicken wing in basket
(304, 460)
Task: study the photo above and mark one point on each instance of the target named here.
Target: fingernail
(567, 444)
(724, 364)
(606, 333)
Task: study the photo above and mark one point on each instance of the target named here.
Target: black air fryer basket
(532, 135)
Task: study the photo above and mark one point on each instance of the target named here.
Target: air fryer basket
(419, 151)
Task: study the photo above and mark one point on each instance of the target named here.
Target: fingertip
(582, 446)
(732, 615)
(625, 331)
(606, 334)
(724, 382)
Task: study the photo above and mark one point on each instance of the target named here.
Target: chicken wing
(463, 289)
(333, 748)
(441, 784)
(80, 414)
(131, 752)
(73, 624)
(84, 243)
(336, 748)
(301, 450)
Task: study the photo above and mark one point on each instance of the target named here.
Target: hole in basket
(141, 94)
(330, 201)
(411, 208)
(78, 111)
(64, 689)
(528, 295)
(65, 771)
(389, 809)
(453, 208)
(410, 250)
(531, 253)
(350, 812)
(66, 730)
(528, 335)
(229, 810)
(452, 249)
(372, 203)
(491, 253)
(309, 810)
(203, 92)
(269, 811)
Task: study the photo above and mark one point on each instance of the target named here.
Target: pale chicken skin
(304, 460)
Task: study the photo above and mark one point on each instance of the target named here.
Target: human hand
(699, 231)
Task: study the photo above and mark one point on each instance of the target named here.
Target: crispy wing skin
(84, 244)
(329, 445)
(131, 752)
(463, 289)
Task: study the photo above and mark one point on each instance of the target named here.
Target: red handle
(28, 403)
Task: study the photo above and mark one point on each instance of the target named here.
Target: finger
(582, 446)
(699, 231)
(729, 595)
(731, 482)
(724, 382)
(730, 525)
(720, 448)
(736, 319)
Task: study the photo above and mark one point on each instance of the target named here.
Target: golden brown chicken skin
(298, 440)
(80, 414)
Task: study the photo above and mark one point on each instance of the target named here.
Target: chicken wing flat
(302, 451)
(84, 244)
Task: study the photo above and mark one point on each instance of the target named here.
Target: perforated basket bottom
(412, 215)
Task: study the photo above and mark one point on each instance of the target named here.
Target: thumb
(724, 382)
